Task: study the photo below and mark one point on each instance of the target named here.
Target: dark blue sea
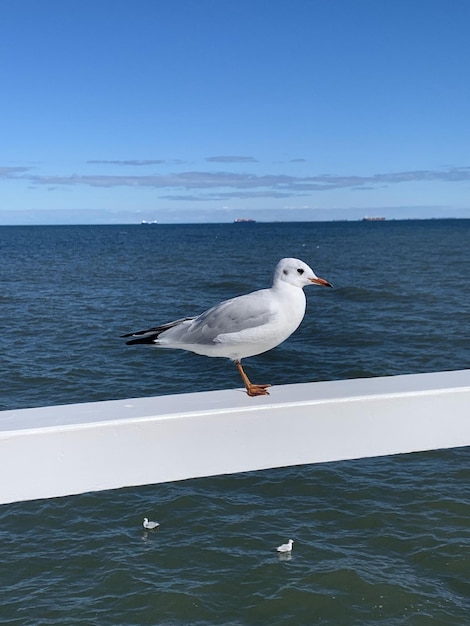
(379, 541)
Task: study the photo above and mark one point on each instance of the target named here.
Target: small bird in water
(243, 326)
(286, 547)
(148, 525)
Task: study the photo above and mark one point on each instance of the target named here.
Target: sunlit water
(379, 541)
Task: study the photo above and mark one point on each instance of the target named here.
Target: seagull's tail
(151, 334)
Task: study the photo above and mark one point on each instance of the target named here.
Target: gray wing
(231, 316)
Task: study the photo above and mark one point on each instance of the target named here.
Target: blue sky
(207, 110)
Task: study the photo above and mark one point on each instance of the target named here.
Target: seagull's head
(297, 273)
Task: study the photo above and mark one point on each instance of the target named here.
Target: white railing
(63, 450)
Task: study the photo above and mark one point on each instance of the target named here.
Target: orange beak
(320, 281)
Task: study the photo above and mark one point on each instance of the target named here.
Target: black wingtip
(141, 340)
(137, 333)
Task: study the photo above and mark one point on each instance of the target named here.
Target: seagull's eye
(300, 271)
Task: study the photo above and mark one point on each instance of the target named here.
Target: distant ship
(145, 223)
(366, 218)
(244, 220)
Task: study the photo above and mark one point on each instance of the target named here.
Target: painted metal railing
(63, 450)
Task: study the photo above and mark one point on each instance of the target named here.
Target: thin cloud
(137, 162)
(204, 185)
(187, 180)
(231, 159)
(229, 195)
(12, 172)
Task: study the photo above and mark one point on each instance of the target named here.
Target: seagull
(243, 326)
(149, 525)
(286, 547)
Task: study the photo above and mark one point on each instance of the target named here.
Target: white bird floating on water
(244, 326)
(148, 525)
(286, 547)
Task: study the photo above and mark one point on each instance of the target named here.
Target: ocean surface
(379, 541)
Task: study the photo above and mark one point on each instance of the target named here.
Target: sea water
(377, 541)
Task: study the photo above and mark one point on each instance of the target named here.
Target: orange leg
(251, 390)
